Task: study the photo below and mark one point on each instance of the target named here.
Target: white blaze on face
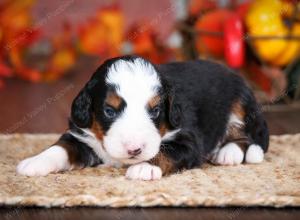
(136, 83)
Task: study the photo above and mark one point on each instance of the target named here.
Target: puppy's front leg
(67, 153)
(182, 151)
(53, 159)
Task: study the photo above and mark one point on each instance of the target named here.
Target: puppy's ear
(174, 109)
(81, 112)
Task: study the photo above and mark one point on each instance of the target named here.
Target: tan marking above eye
(113, 100)
(154, 101)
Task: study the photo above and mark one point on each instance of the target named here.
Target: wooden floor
(238, 213)
(44, 108)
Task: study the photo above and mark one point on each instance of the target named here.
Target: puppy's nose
(134, 152)
(134, 148)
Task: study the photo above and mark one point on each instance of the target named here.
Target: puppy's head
(124, 105)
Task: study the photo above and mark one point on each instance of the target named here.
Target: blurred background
(49, 49)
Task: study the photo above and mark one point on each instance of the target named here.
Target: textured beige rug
(275, 182)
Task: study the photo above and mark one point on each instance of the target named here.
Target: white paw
(230, 154)
(143, 171)
(51, 160)
(254, 154)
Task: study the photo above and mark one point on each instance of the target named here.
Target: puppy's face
(128, 110)
(132, 111)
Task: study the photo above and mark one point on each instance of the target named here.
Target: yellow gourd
(291, 51)
(264, 18)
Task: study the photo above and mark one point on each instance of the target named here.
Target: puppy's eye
(154, 113)
(109, 112)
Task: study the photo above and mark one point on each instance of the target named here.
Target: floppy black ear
(174, 110)
(81, 112)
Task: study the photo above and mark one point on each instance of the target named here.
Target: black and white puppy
(157, 120)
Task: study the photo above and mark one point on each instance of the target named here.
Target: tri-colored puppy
(157, 119)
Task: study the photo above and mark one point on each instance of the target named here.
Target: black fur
(81, 112)
(202, 94)
(82, 154)
(256, 126)
(185, 150)
(197, 98)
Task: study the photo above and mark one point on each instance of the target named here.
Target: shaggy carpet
(275, 182)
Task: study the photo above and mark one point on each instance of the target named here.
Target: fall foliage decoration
(18, 35)
(144, 41)
(102, 35)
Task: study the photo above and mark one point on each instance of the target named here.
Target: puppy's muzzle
(134, 149)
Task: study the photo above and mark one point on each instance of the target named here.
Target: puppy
(157, 120)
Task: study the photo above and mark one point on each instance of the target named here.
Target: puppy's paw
(254, 154)
(230, 154)
(144, 171)
(51, 160)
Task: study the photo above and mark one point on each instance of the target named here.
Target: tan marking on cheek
(163, 129)
(238, 110)
(154, 101)
(97, 130)
(165, 163)
(113, 100)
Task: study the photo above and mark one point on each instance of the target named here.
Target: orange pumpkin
(212, 22)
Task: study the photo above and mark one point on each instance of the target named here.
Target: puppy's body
(215, 106)
(158, 120)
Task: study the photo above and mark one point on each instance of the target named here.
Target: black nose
(134, 152)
